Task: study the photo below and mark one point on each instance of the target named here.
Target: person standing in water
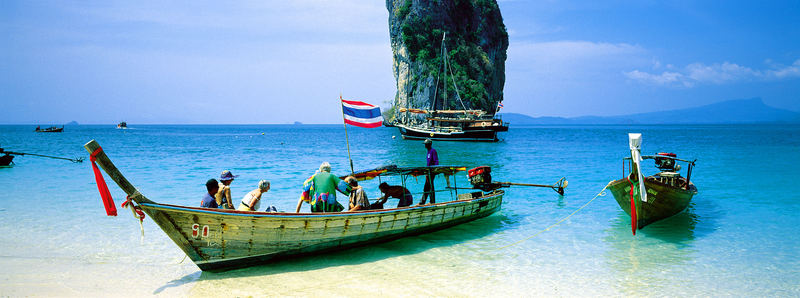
(320, 191)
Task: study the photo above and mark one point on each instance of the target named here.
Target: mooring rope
(599, 194)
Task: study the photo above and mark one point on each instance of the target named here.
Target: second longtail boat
(652, 198)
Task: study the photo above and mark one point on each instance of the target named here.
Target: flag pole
(347, 139)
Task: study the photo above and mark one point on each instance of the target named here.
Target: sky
(276, 62)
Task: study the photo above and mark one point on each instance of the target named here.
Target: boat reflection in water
(641, 261)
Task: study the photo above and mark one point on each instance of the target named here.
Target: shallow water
(736, 238)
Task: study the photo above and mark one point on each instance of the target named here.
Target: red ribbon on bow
(634, 216)
(108, 202)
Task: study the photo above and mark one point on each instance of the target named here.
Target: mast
(444, 72)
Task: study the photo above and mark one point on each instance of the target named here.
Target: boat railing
(690, 163)
(663, 157)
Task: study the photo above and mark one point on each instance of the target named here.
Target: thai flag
(361, 114)
(499, 105)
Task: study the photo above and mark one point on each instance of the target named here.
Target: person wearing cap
(358, 198)
(223, 194)
(208, 200)
(252, 200)
(432, 160)
(320, 189)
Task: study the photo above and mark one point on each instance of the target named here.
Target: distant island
(739, 111)
(72, 123)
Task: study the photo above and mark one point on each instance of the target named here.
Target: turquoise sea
(737, 238)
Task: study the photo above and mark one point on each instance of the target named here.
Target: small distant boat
(49, 129)
(122, 125)
(6, 160)
(652, 198)
(218, 239)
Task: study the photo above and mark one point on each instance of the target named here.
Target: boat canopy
(394, 170)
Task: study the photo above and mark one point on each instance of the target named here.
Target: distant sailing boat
(450, 125)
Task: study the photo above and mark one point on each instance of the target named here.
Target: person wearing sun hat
(223, 195)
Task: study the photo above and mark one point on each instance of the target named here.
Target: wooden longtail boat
(217, 239)
(655, 197)
(50, 129)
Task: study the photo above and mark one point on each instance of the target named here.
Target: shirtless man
(395, 191)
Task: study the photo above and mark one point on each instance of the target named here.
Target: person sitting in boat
(393, 191)
(252, 200)
(358, 198)
(320, 189)
(223, 195)
(208, 200)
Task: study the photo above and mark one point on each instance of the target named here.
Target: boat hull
(221, 239)
(60, 129)
(6, 160)
(662, 200)
(488, 134)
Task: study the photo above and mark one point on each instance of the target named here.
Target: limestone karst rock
(476, 43)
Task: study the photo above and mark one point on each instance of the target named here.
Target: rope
(136, 211)
(599, 194)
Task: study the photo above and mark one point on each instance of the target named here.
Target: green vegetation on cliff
(473, 27)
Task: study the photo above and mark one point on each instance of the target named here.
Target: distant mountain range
(742, 111)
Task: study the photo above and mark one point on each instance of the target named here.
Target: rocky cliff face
(476, 43)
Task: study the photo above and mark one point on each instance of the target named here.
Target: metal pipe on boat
(689, 173)
(76, 160)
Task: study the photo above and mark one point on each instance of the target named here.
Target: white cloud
(699, 73)
(665, 78)
(570, 59)
(571, 50)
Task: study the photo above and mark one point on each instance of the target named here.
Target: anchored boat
(652, 198)
(448, 124)
(218, 239)
(49, 129)
(6, 159)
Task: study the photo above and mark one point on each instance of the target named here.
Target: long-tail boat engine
(481, 178)
(669, 169)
